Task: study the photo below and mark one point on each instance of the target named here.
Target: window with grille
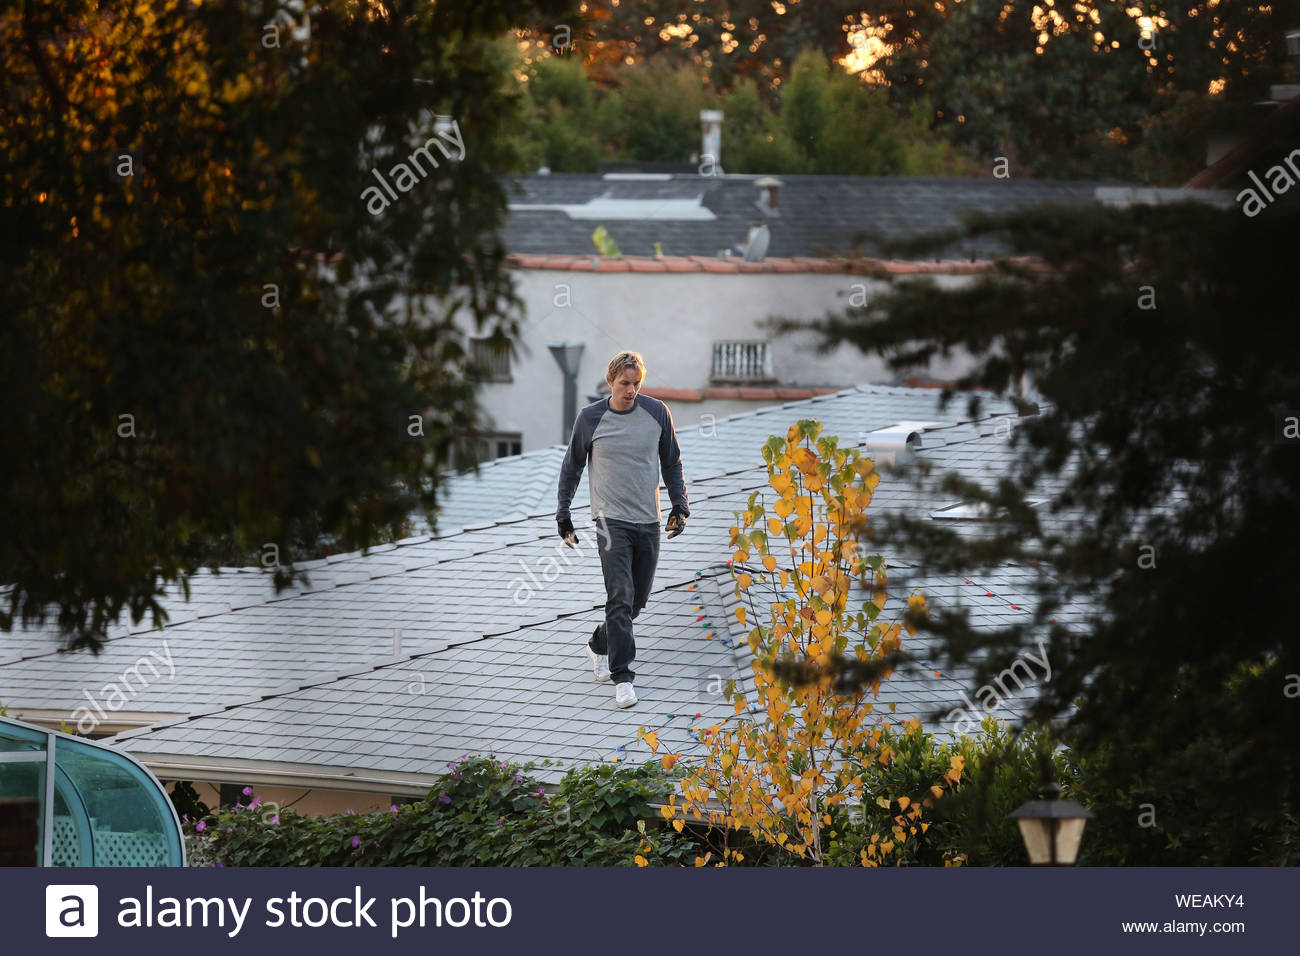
(502, 446)
(495, 362)
(742, 362)
(486, 448)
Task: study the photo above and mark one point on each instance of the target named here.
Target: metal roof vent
(895, 445)
(711, 142)
(768, 187)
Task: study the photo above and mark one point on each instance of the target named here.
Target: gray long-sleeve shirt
(628, 451)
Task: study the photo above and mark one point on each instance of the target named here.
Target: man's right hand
(567, 533)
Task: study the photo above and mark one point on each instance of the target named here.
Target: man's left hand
(676, 524)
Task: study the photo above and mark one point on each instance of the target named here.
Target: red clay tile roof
(733, 264)
(763, 393)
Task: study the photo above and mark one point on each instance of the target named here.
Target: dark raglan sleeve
(670, 463)
(574, 461)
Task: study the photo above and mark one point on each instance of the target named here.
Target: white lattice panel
(111, 848)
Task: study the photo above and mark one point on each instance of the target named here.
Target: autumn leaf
(668, 760)
(904, 802)
(678, 824)
(805, 461)
(640, 860)
(740, 615)
(652, 741)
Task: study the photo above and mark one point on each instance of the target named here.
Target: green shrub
(483, 812)
(968, 824)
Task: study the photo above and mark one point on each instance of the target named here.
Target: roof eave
(269, 773)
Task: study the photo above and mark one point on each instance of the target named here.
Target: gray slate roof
(819, 215)
(527, 484)
(493, 619)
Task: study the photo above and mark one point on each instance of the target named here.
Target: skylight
(608, 209)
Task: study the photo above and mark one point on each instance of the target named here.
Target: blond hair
(624, 360)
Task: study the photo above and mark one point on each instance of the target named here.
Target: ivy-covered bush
(486, 812)
(482, 812)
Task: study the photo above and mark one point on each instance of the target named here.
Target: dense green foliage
(214, 345)
(483, 812)
(825, 121)
(1161, 343)
(1088, 90)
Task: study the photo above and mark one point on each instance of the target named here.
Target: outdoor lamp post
(1051, 828)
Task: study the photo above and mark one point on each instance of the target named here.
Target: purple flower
(518, 778)
(238, 805)
(350, 812)
(248, 791)
(393, 808)
(500, 822)
(456, 776)
(445, 799)
(452, 765)
(201, 826)
(256, 801)
(274, 819)
(356, 842)
(541, 792)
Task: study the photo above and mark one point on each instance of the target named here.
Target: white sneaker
(599, 665)
(624, 695)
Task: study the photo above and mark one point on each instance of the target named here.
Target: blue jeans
(629, 554)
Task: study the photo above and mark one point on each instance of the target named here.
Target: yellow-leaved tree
(775, 773)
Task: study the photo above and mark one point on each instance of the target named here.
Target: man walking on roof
(630, 440)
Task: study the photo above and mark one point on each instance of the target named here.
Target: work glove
(676, 524)
(567, 533)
